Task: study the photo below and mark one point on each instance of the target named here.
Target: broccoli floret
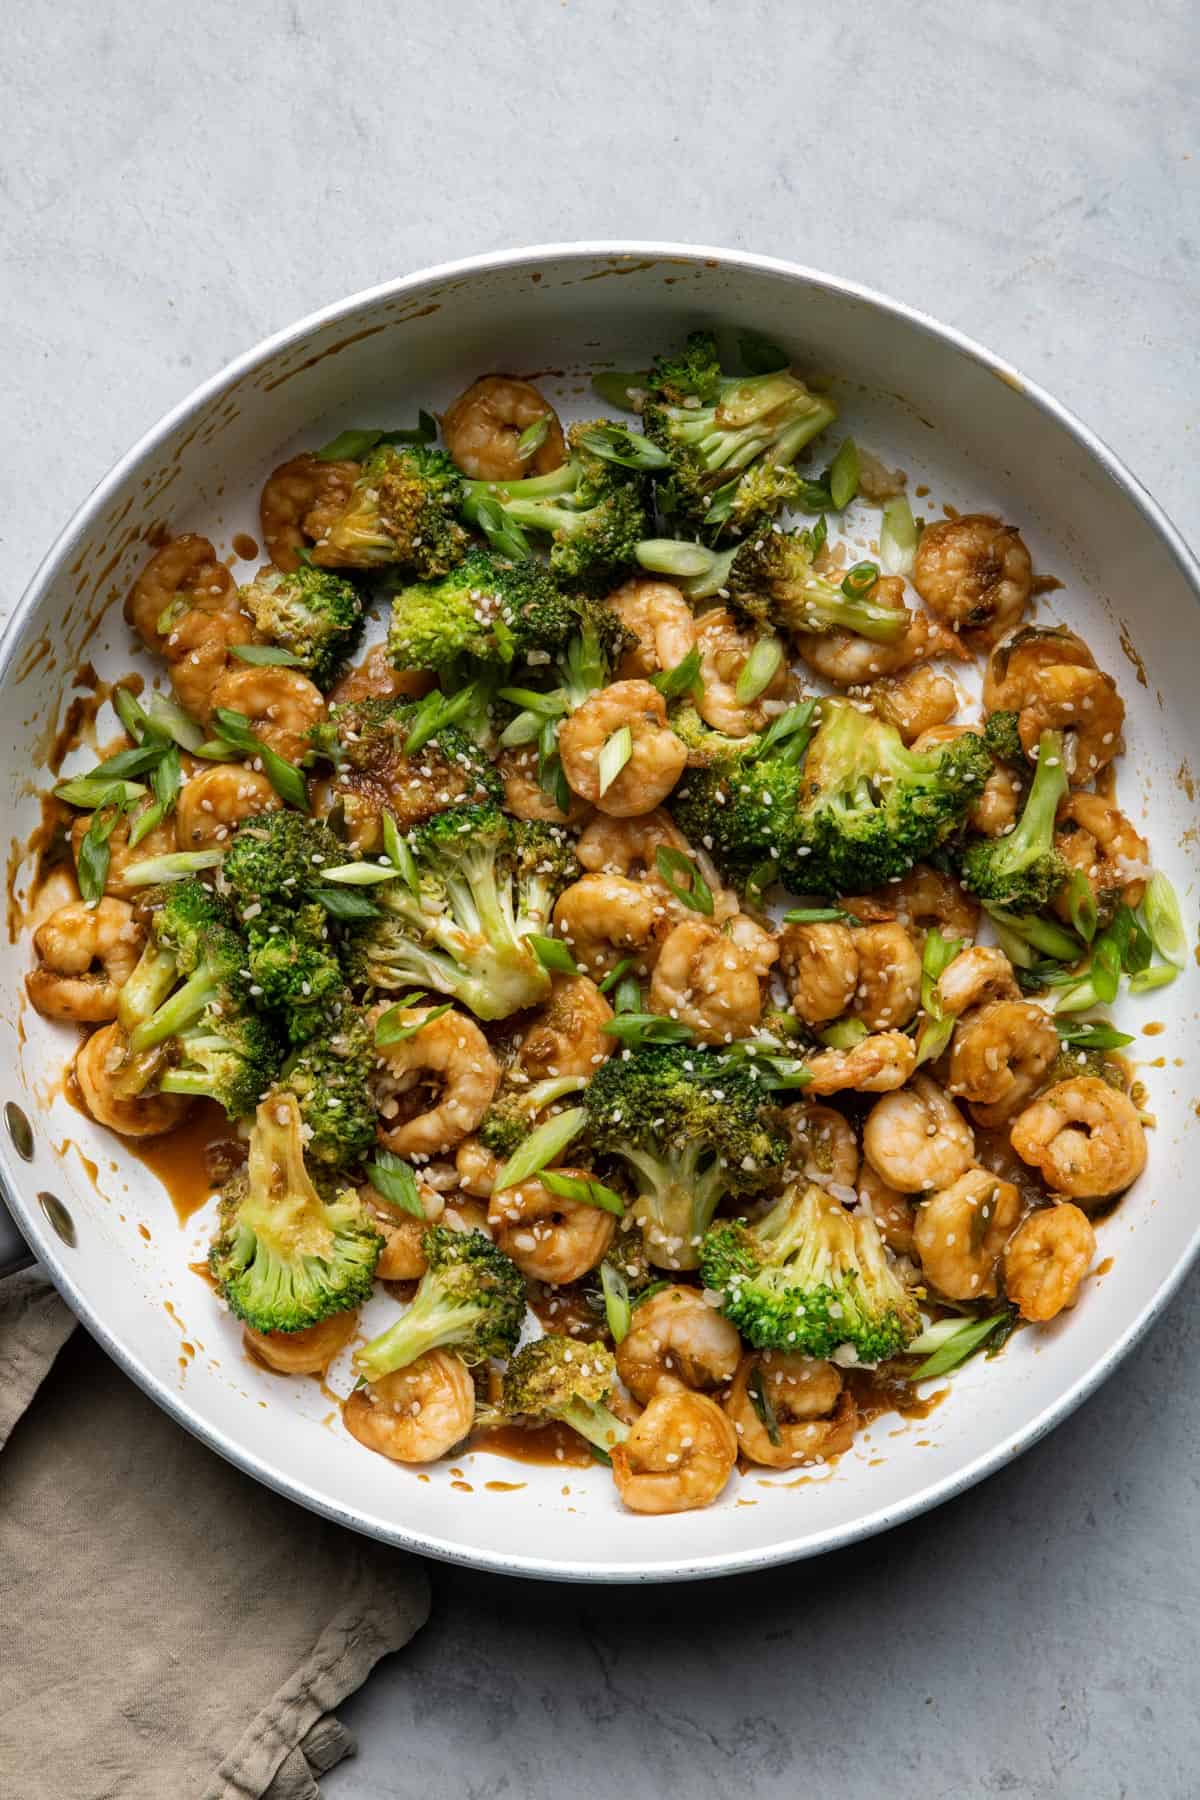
(273, 858)
(315, 615)
(402, 509)
(293, 964)
(870, 807)
(717, 428)
(737, 797)
(330, 1078)
(510, 1118)
(810, 1277)
(692, 1129)
(186, 1008)
(1003, 739)
(488, 608)
(373, 773)
(1023, 870)
(770, 579)
(557, 1377)
(471, 1300)
(286, 1257)
(484, 884)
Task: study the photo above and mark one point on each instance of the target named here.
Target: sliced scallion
(541, 1147)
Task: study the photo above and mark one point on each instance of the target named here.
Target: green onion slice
(1164, 920)
(682, 679)
(266, 656)
(584, 1190)
(1160, 975)
(394, 1182)
(759, 670)
(842, 475)
(615, 753)
(541, 1147)
(287, 780)
(391, 1027)
(634, 1029)
(553, 954)
(898, 537)
(1092, 1034)
(360, 874)
(956, 1346)
(674, 868)
(617, 1310)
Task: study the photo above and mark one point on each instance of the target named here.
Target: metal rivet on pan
(19, 1130)
(59, 1217)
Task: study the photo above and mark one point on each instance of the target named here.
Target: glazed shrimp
(961, 1231)
(1120, 844)
(820, 967)
(86, 954)
(656, 761)
(605, 918)
(922, 898)
(550, 1238)
(160, 840)
(96, 1063)
(566, 1035)
(374, 678)
(307, 1352)
(995, 811)
(974, 573)
(824, 1147)
(1084, 1136)
(183, 575)
(660, 619)
(917, 702)
(811, 1415)
(476, 1168)
(281, 704)
(676, 1336)
(1047, 1260)
(876, 1065)
(918, 1140)
(630, 847)
(977, 974)
(415, 1414)
(887, 992)
(216, 800)
(198, 653)
(1085, 705)
(704, 980)
(678, 1456)
(450, 1049)
(526, 798)
(403, 1259)
(300, 501)
(849, 661)
(894, 1213)
(725, 649)
(998, 1056)
(483, 430)
(1014, 665)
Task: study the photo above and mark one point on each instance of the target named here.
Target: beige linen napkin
(169, 1630)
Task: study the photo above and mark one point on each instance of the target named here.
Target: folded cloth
(171, 1630)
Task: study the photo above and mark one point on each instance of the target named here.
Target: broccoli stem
(429, 1324)
(184, 1005)
(148, 986)
(595, 1423)
(680, 1199)
(1034, 832)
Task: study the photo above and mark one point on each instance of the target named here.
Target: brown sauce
(184, 1160)
(244, 546)
(556, 1446)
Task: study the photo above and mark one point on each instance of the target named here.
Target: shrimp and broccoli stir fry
(705, 1049)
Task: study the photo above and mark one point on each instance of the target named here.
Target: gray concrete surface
(178, 181)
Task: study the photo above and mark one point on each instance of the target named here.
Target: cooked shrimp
(526, 798)
(1084, 1136)
(755, 942)
(894, 1213)
(1083, 703)
(300, 501)
(476, 1167)
(961, 1231)
(824, 1147)
(630, 847)
(566, 1035)
(676, 1336)
(605, 918)
(96, 1063)
(160, 840)
(922, 898)
(995, 811)
(415, 1414)
(918, 1139)
(809, 1415)
(850, 661)
(916, 703)
(549, 1237)
(678, 1456)
(660, 619)
(999, 1054)
(725, 648)
(215, 800)
(198, 652)
(86, 954)
(974, 572)
(281, 704)
(655, 763)
(887, 992)
(975, 975)
(1121, 845)
(484, 426)
(1010, 678)
(307, 1352)
(820, 966)
(704, 980)
(374, 678)
(403, 1258)
(1047, 1260)
(56, 888)
(876, 1065)
(450, 1049)
(183, 575)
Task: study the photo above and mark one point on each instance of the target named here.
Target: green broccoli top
(1024, 870)
(294, 969)
(557, 1377)
(274, 858)
(1002, 736)
(770, 579)
(739, 797)
(488, 608)
(330, 1077)
(316, 616)
(402, 509)
(471, 1300)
